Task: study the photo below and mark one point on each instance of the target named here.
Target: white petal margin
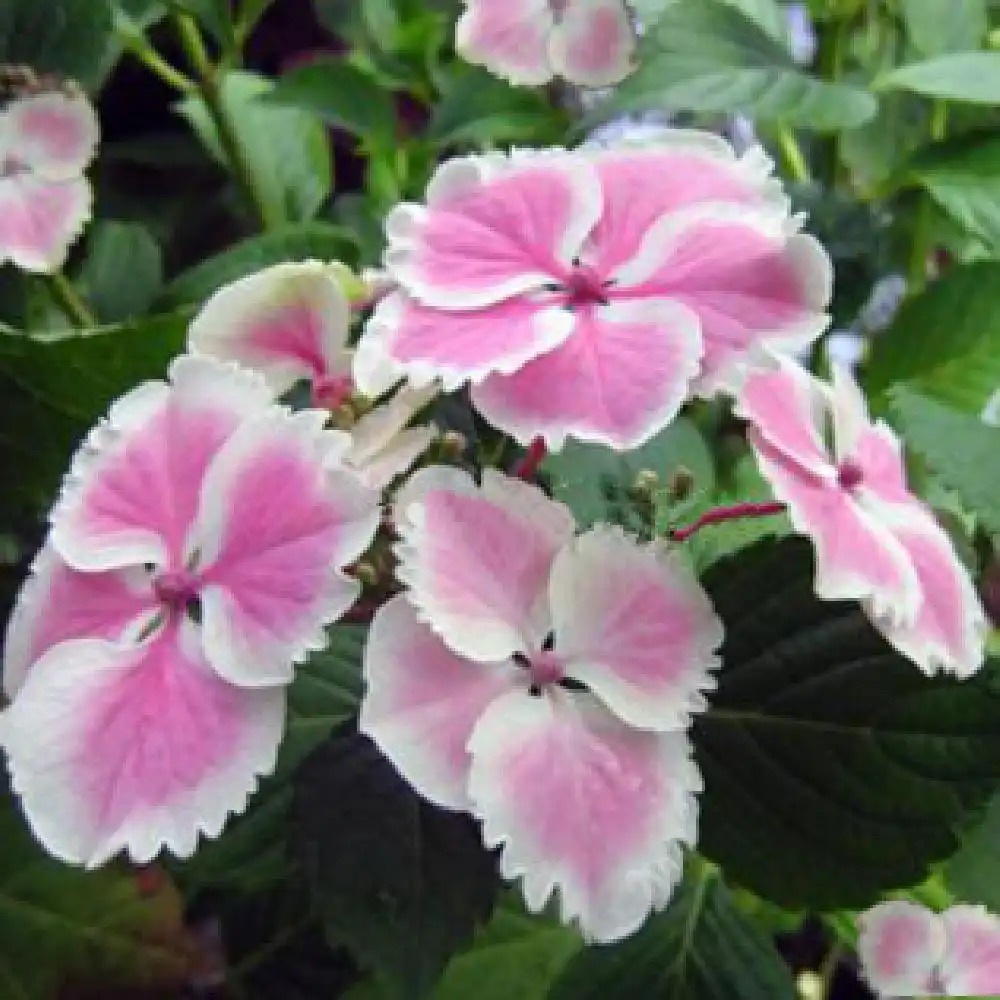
(477, 561)
(422, 702)
(584, 807)
(280, 518)
(972, 961)
(633, 623)
(587, 27)
(289, 322)
(55, 133)
(901, 945)
(145, 748)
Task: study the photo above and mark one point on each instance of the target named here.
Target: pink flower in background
(195, 556)
(587, 42)
(47, 141)
(581, 299)
(906, 950)
(544, 683)
(875, 541)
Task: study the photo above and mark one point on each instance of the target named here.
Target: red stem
(721, 514)
(527, 467)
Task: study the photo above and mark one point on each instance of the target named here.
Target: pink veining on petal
(39, 219)
(510, 39)
(972, 962)
(55, 134)
(592, 42)
(901, 945)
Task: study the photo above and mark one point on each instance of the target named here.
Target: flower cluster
(906, 950)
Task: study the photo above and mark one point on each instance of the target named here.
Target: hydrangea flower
(581, 299)
(587, 42)
(906, 950)
(194, 556)
(844, 481)
(291, 322)
(47, 141)
(544, 683)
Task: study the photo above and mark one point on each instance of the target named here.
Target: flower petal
(422, 701)
(620, 377)
(477, 562)
(40, 220)
(857, 555)
(972, 961)
(57, 603)
(951, 627)
(55, 134)
(509, 39)
(288, 322)
(582, 804)
(593, 43)
(633, 623)
(900, 946)
(145, 748)
(404, 337)
(133, 488)
(749, 280)
(493, 227)
(279, 518)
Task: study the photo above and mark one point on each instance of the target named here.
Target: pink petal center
(585, 286)
(329, 391)
(546, 669)
(176, 589)
(849, 475)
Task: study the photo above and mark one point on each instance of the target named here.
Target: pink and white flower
(906, 950)
(843, 479)
(587, 42)
(291, 322)
(581, 299)
(47, 140)
(195, 556)
(544, 683)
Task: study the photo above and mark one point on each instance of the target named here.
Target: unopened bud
(452, 445)
(343, 417)
(809, 986)
(366, 573)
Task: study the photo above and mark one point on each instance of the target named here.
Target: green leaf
(594, 480)
(301, 241)
(958, 447)
(213, 15)
(944, 342)
(114, 250)
(973, 874)
(479, 109)
(700, 948)
(706, 56)
(934, 31)
(60, 924)
(67, 37)
(286, 148)
(54, 388)
(342, 95)
(963, 177)
(400, 883)
(834, 769)
(959, 76)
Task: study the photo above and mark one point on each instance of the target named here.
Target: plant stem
(939, 121)
(70, 301)
(153, 61)
(211, 94)
(527, 467)
(828, 970)
(792, 155)
(721, 514)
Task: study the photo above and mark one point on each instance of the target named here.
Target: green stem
(917, 273)
(153, 61)
(939, 121)
(211, 94)
(70, 301)
(828, 970)
(792, 156)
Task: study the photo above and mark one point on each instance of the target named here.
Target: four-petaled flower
(46, 142)
(195, 556)
(545, 683)
(587, 42)
(291, 322)
(590, 293)
(844, 480)
(906, 950)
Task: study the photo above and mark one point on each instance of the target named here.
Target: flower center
(329, 391)
(176, 590)
(11, 166)
(849, 475)
(585, 287)
(546, 669)
(558, 7)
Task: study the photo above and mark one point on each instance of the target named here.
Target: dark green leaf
(286, 148)
(122, 272)
(834, 769)
(342, 95)
(67, 37)
(704, 55)
(934, 30)
(959, 76)
(962, 450)
(213, 15)
(973, 874)
(304, 241)
(945, 342)
(400, 883)
(700, 948)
